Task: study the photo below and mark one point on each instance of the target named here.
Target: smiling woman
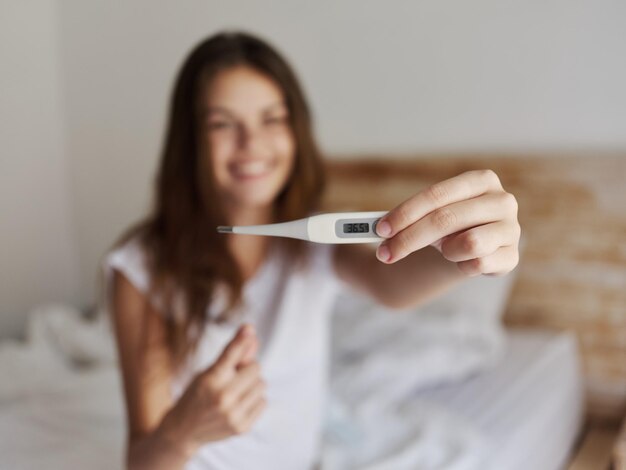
(222, 335)
(238, 150)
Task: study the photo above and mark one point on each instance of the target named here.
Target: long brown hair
(186, 256)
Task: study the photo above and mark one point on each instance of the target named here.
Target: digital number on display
(356, 228)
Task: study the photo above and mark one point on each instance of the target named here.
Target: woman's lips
(251, 170)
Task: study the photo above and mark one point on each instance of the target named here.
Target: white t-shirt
(290, 311)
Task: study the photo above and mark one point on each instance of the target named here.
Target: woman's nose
(251, 140)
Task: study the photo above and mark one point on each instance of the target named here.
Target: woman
(222, 339)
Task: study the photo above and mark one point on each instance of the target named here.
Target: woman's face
(250, 139)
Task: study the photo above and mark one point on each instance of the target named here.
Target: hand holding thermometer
(337, 227)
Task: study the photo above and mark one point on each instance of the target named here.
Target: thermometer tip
(224, 229)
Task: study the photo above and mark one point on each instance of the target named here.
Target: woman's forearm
(416, 279)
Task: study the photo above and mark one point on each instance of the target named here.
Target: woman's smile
(252, 170)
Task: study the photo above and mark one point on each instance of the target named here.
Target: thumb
(237, 349)
(249, 355)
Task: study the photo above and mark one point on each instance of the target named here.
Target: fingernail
(383, 253)
(247, 330)
(383, 228)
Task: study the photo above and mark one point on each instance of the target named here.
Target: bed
(445, 386)
(516, 400)
(479, 396)
(531, 405)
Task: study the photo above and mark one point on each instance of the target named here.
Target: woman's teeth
(251, 169)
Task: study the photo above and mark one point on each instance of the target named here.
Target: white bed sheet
(527, 409)
(529, 406)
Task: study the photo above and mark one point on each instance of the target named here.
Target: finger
(240, 415)
(246, 378)
(501, 262)
(250, 399)
(236, 349)
(250, 354)
(255, 412)
(445, 221)
(467, 185)
(480, 241)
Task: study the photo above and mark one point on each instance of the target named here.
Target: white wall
(402, 76)
(38, 260)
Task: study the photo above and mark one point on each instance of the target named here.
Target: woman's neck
(249, 251)
(250, 216)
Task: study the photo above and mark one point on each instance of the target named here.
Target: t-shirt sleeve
(130, 260)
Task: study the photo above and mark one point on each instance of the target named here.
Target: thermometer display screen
(356, 227)
(363, 227)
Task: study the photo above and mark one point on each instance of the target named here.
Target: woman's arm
(464, 226)
(223, 400)
(146, 372)
(409, 282)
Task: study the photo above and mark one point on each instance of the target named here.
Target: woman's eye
(276, 120)
(220, 125)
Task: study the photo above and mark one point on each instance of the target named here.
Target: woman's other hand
(224, 400)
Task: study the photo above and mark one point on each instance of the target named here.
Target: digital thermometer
(337, 227)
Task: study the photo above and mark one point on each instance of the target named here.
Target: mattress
(530, 405)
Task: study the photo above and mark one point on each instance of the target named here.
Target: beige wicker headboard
(572, 274)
